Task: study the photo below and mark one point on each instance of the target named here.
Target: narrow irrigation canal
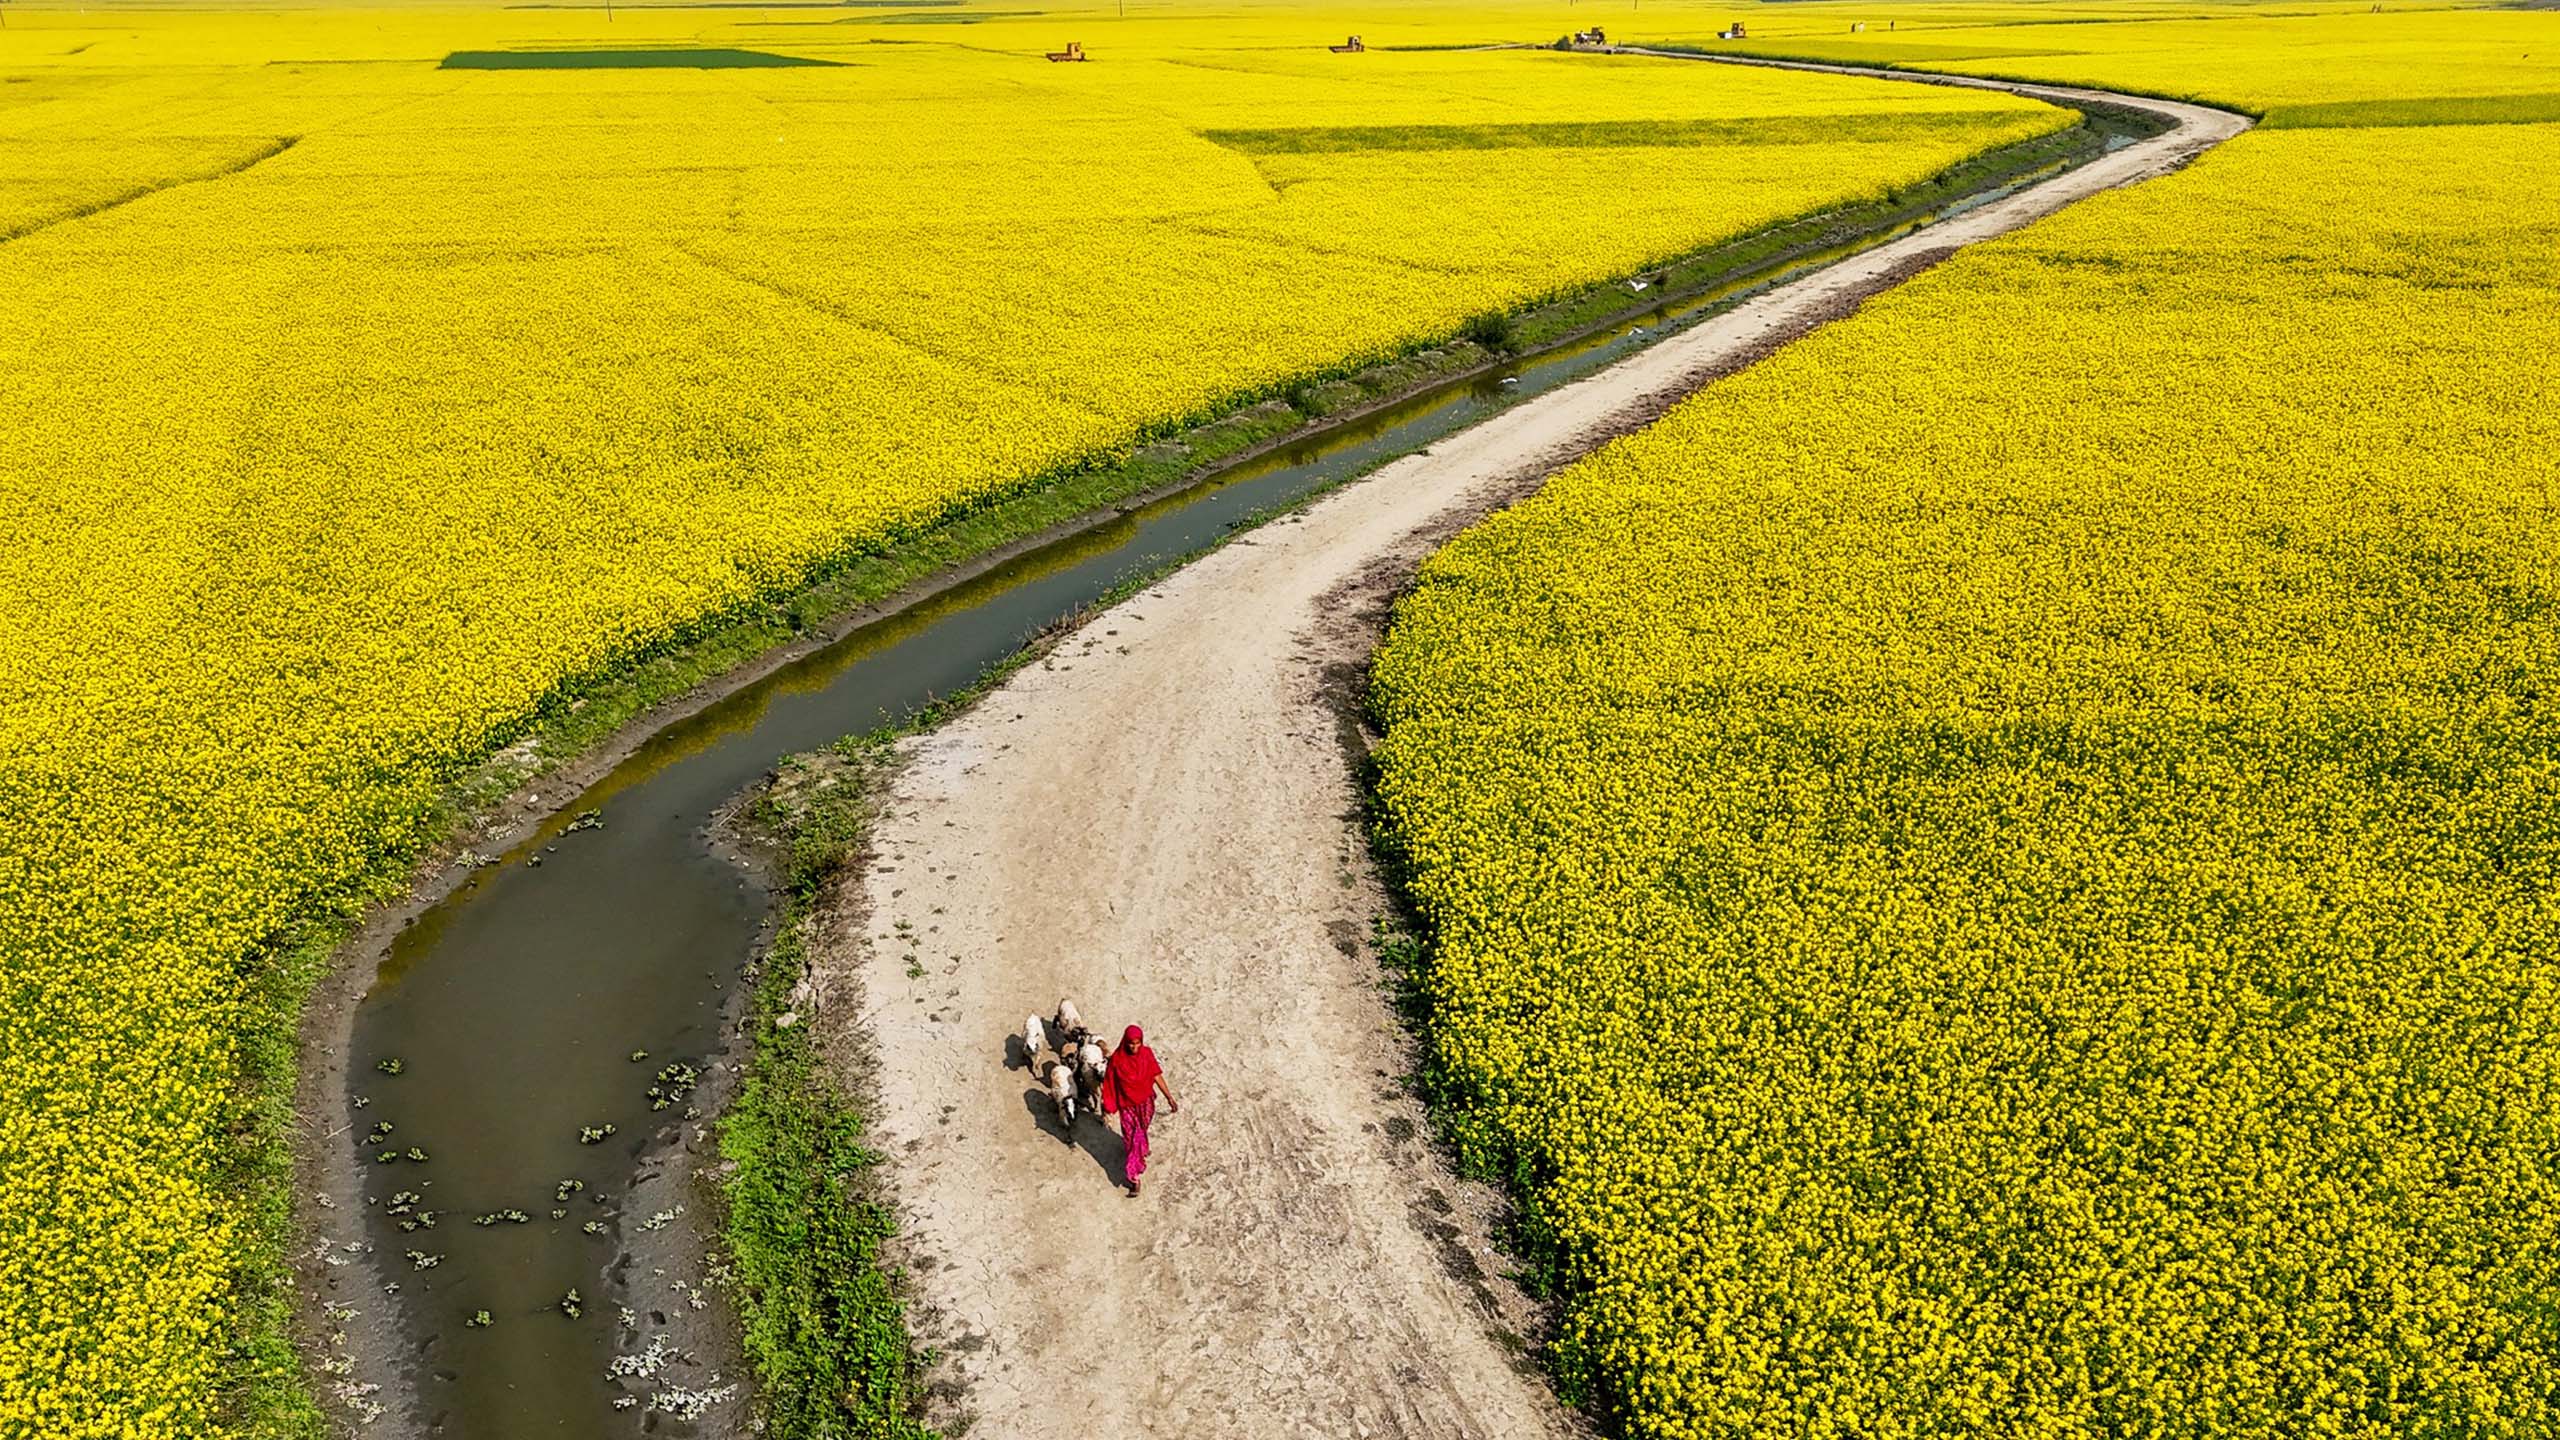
(514, 1011)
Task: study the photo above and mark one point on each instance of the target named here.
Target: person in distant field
(1129, 1086)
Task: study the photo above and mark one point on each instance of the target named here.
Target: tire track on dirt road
(1160, 819)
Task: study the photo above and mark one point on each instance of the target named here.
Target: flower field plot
(2244, 56)
(1993, 874)
(360, 403)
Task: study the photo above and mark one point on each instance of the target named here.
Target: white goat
(1091, 1064)
(1062, 1089)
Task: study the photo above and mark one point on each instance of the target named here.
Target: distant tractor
(1592, 39)
(1351, 46)
(1734, 32)
(1074, 51)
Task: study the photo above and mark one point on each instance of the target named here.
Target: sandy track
(1161, 821)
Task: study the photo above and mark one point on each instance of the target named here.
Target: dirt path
(1160, 820)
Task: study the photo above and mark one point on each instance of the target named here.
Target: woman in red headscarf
(1129, 1086)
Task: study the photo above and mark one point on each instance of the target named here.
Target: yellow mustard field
(361, 397)
(1995, 873)
(2328, 63)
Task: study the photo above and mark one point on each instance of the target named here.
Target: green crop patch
(666, 59)
(1600, 134)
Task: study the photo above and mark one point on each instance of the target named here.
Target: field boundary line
(273, 148)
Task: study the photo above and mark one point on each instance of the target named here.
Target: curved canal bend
(514, 1007)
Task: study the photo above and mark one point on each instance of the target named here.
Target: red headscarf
(1130, 1079)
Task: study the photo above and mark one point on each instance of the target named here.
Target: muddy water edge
(510, 1234)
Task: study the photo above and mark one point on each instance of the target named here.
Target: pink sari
(1133, 1134)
